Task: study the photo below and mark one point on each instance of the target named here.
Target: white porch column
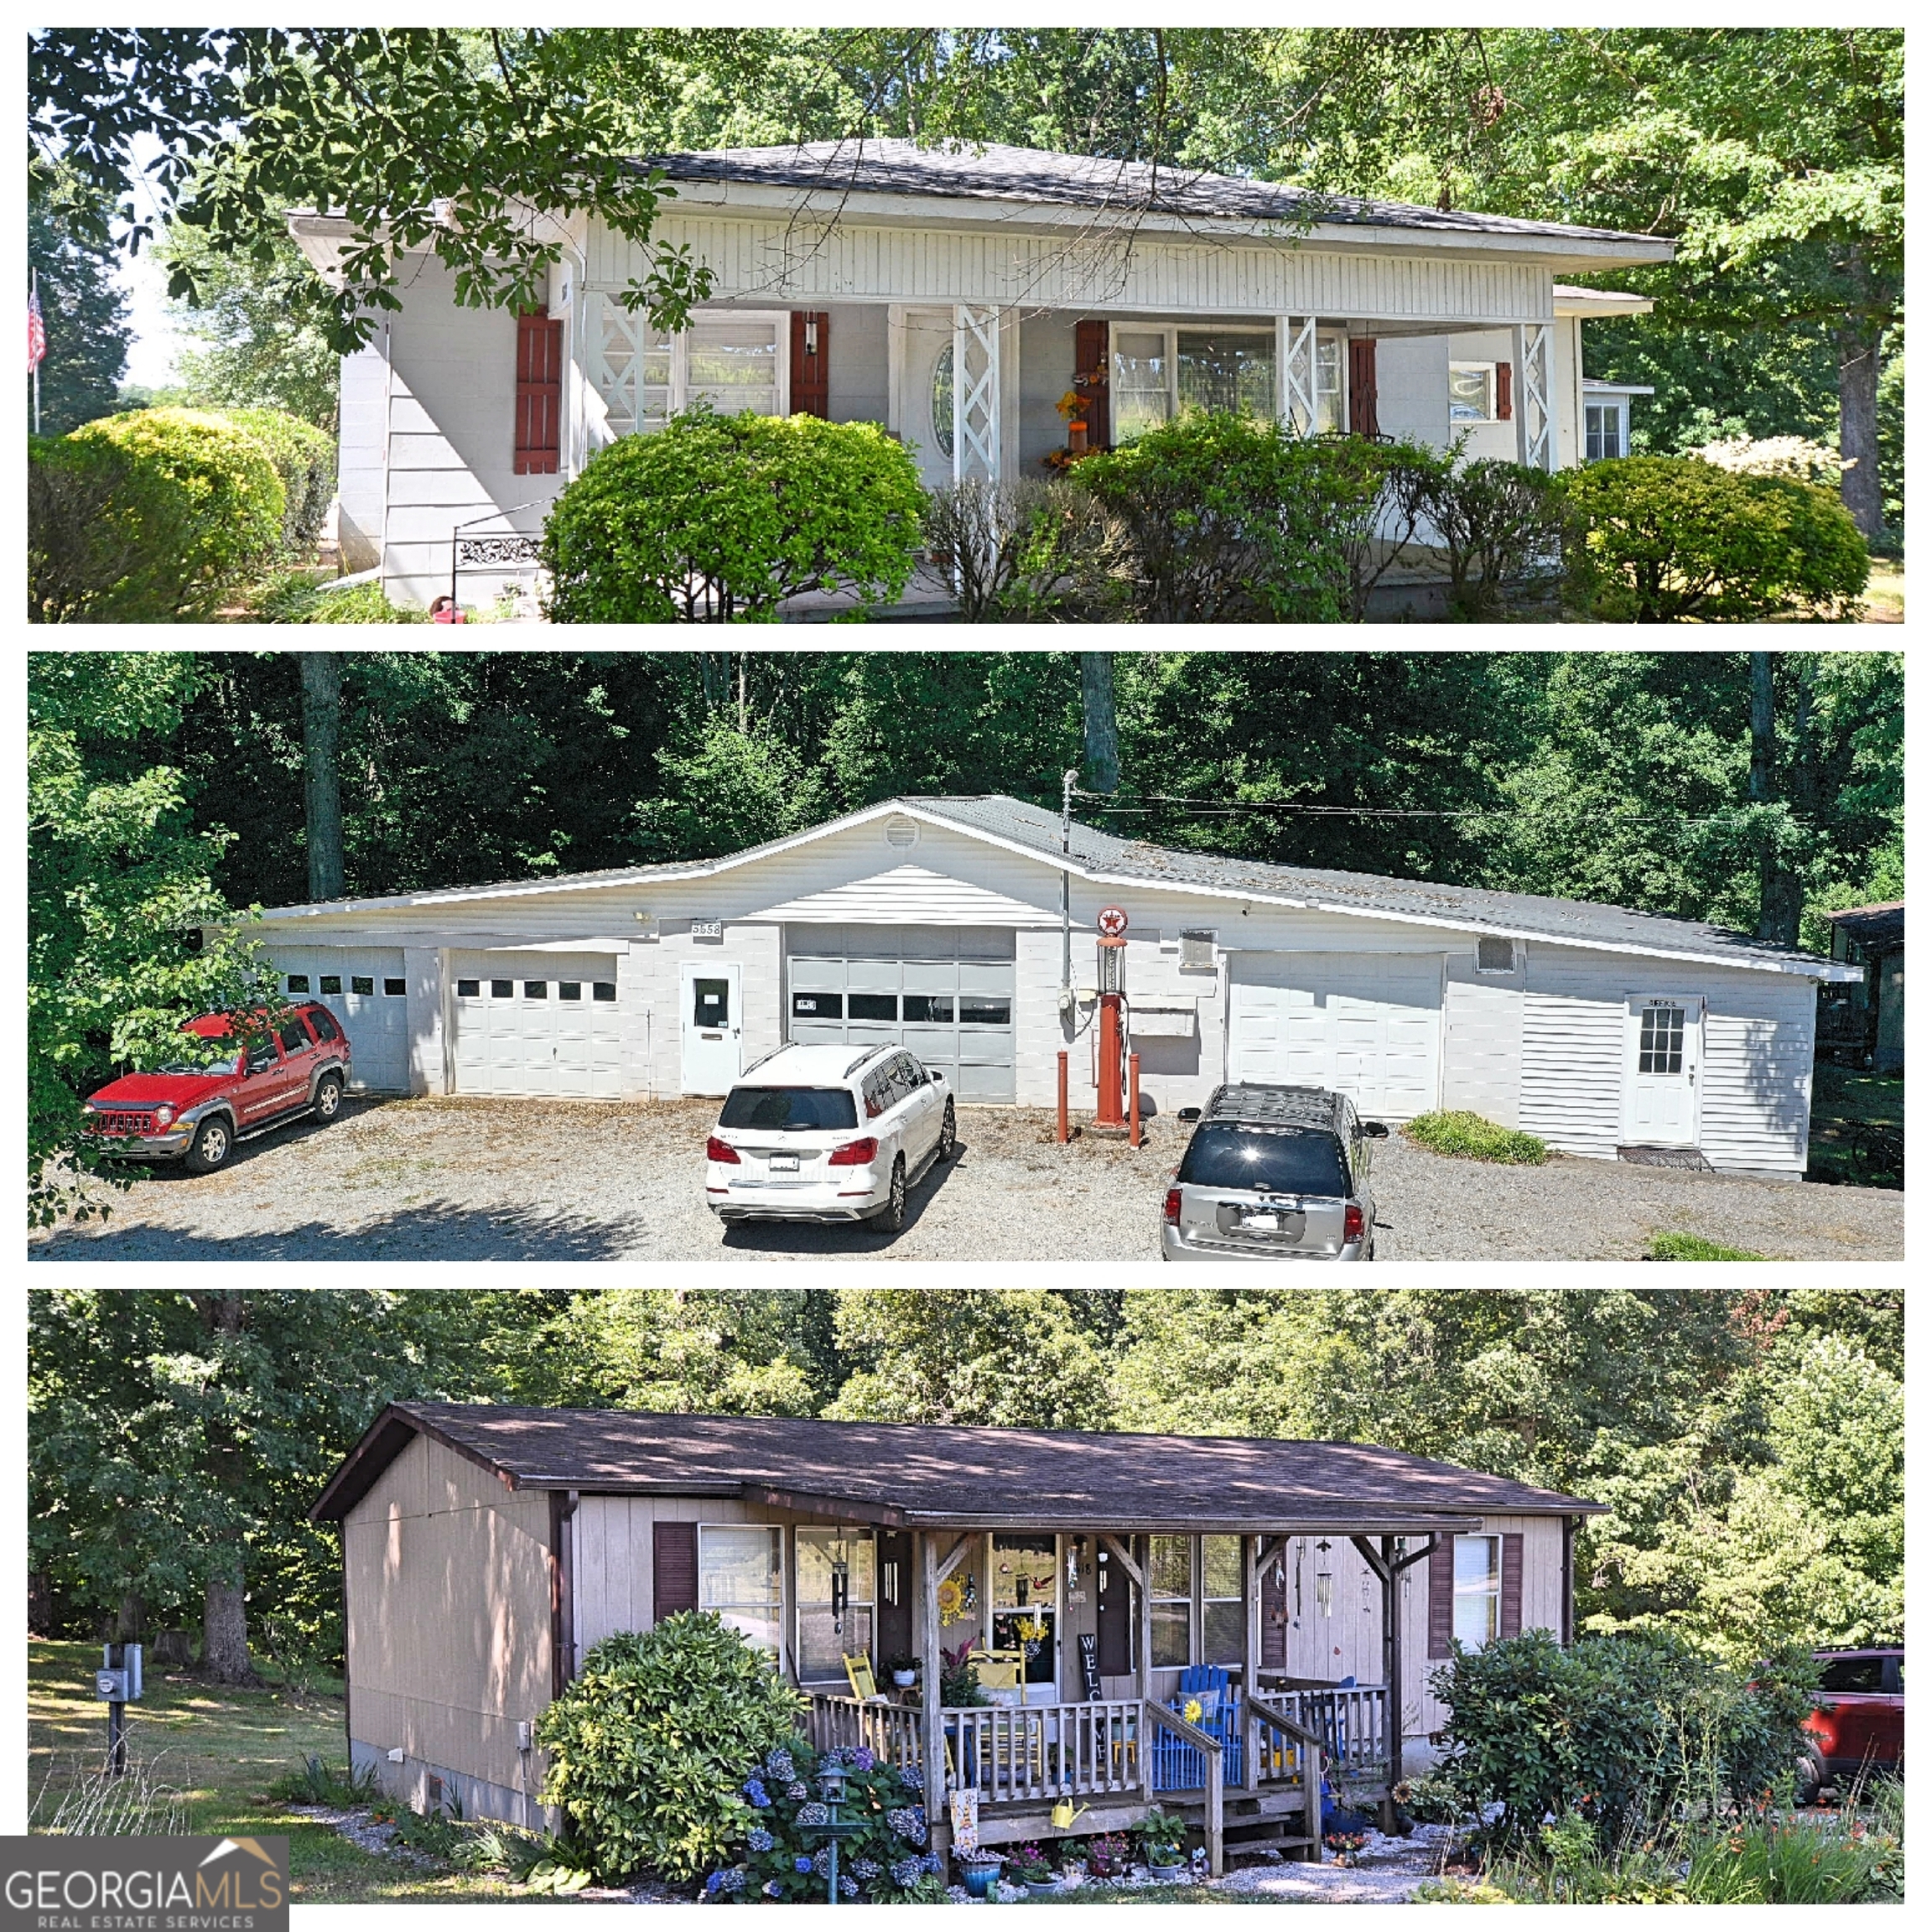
(1295, 372)
(1536, 378)
(975, 391)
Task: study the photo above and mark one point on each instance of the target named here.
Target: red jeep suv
(1857, 1722)
(297, 1064)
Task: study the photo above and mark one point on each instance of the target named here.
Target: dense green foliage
(86, 316)
(649, 1744)
(781, 1858)
(720, 518)
(1749, 1445)
(118, 878)
(305, 461)
(1228, 520)
(1626, 1731)
(195, 503)
(1502, 529)
(1666, 538)
(1469, 1137)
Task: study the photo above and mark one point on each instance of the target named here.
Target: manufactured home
(955, 294)
(1102, 1586)
(963, 929)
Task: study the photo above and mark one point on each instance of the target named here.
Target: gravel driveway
(458, 1180)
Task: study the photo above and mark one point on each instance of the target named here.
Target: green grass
(298, 597)
(220, 1752)
(1680, 1247)
(1844, 1099)
(1469, 1137)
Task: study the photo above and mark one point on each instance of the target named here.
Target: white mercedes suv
(828, 1134)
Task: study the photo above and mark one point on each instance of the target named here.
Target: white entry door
(1364, 1024)
(1663, 1050)
(926, 387)
(712, 1024)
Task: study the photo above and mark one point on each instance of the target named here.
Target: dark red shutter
(539, 393)
(1511, 1608)
(1362, 419)
(1090, 360)
(673, 1569)
(1442, 1596)
(1113, 1619)
(1505, 377)
(811, 384)
(1275, 1613)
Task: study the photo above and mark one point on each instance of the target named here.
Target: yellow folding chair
(859, 1675)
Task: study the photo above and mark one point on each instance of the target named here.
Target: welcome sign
(55, 1884)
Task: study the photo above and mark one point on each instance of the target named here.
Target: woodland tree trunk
(1858, 344)
(129, 1615)
(40, 1603)
(1777, 888)
(321, 742)
(225, 1628)
(1101, 729)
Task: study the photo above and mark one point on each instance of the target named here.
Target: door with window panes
(1024, 1604)
(1664, 1037)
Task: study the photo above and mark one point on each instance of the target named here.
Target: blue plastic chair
(1181, 1767)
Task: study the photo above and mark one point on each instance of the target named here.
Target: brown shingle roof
(899, 1474)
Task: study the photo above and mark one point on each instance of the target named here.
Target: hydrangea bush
(781, 1859)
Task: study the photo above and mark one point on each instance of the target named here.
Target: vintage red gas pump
(1108, 1110)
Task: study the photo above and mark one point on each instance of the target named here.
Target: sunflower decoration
(1191, 1711)
(952, 1602)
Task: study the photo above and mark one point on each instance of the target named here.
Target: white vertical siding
(1756, 1107)
(1482, 1039)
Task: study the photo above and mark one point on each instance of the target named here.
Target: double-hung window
(730, 359)
(1224, 1614)
(836, 1597)
(1604, 434)
(1478, 1610)
(739, 1575)
(1170, 1599)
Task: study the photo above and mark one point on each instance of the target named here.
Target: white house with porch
(955, 294)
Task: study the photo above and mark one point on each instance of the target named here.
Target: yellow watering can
(1064, 1813)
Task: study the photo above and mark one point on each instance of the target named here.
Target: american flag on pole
(36, 333)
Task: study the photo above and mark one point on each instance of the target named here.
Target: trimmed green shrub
(1620, 1731)
(780, 1859)
(1502, 527)
(1667, 539)
(1469, 1137)
(77, 551)
(305, 459)
(1677, 1247)
(717, 519)
(196, 506)
(649, 1746)
(1228, 520)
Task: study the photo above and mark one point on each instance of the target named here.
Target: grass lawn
(1843, 1099)
(1885, 595)
(220, 1750)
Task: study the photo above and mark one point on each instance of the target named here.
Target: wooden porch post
(931, 1740)
(1392, 1651)
(1250, 1664)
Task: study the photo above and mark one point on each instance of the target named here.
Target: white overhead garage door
(364, 988)
(545, 1023)
(946, 993)
(1368, 1024)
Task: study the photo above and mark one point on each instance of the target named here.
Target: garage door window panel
(394, 987)
(469, 988)
(298, 982)
(359, 983)
(819, 1006)
(881, 1007)
(332, 983)
(604, 990)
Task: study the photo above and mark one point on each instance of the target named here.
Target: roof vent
(902, 833)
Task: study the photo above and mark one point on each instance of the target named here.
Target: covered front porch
(1085, 1642)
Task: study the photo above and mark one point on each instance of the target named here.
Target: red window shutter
(1362, 417)
(1505, 374)
(1442, 1596)
(1090, 360)
(810, 381)
(539, 394)
(1511, 1608)
(673, 1569)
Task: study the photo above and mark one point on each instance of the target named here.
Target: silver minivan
(1273, 1173)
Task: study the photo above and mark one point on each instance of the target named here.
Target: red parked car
(297, 1064)
(1857, 1720)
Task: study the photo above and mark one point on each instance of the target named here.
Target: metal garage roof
(899, 1474)
(1105, 859)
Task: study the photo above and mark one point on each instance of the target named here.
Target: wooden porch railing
(890, 1731)
(1014, 1754)
(1351, 1726)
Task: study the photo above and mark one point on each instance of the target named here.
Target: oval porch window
(942, 401)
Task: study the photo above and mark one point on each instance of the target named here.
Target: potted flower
(1161, 1836)
(1073, 408)
(904, 1671)
(1347, 1846)
(1032, 1870)
(1106, 1856)
(977, 1870)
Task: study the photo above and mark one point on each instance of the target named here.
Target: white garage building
(938, 923)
